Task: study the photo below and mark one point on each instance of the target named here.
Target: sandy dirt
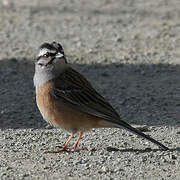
(129, 50)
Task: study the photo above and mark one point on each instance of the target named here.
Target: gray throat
(41, 77)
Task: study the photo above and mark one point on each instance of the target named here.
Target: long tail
(122, 124)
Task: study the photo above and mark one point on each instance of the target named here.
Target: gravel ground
(129, 50)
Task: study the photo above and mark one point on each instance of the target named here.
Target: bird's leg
(77, 142)
(65, 148)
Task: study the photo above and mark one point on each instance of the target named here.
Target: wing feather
(77, 91)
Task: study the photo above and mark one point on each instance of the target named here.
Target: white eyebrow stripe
(43, 52)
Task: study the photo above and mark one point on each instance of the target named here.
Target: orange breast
(46, 104)
(60, 114)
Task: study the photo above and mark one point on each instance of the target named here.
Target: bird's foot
(73, 148)
(66, 149)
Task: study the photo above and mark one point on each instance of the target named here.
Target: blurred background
(124, 31)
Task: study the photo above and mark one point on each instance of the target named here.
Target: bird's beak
(59, 55)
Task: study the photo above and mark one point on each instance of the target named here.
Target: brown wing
(77, 91)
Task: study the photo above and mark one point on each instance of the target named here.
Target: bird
(67, 100)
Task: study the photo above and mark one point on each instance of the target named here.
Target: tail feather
(128, 127)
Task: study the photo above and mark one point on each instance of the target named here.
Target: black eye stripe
(50, 54)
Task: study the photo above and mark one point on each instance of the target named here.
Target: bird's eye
(46, 55)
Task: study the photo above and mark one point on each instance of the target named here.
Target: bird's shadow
(112, 149)
(142, 94)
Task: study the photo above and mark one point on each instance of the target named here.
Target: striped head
(50, 62)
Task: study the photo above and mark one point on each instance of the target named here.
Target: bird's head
(50, 61)
(49, 54)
